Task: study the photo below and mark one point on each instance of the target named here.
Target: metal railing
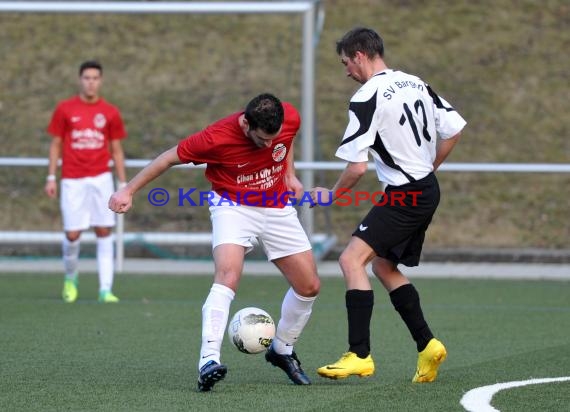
(323, 243)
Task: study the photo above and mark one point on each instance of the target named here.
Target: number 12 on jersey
(409, 116)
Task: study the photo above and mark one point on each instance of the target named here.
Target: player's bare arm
(119, 160)
(291, 180)
(54, 154)
(122, 200)
(444, 148)
(348, 179)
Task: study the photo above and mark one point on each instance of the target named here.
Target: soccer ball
(251, 330)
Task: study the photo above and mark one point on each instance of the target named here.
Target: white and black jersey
(397, 118)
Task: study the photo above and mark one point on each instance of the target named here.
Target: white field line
(479, 399)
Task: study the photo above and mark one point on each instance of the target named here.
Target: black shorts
(395, 227)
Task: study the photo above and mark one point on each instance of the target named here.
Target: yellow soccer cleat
(107, 297)
(348, 364)
(429, 360)
(69, 293)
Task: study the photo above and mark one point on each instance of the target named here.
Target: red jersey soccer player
(84, 129)
(249, 157)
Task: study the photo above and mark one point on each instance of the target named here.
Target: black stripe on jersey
(379, 148)
(437, 100)
(364, 112)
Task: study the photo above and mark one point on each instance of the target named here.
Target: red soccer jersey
(86, 130)
(236, 167)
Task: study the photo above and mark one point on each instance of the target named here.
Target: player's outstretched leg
(429, 360)
(211, 373)
(348, 364)
(290, 364)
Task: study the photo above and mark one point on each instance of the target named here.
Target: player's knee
(102, 231)
(384, 268)
(309, 289)
(348, 262)
(72, 236)
(313, 288)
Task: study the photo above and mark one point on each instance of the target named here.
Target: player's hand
(51, 188)
(121, 201)
(294, 185)
(321, 196)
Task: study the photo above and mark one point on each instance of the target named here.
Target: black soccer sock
(359, 305)
(407, 302)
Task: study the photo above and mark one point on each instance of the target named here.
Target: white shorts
(85, 202)
(279, 230)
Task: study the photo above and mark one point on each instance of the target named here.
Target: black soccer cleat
(290, 364)
(211, 373)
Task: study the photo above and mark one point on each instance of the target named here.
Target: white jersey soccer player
(397, 118)
(409, 131)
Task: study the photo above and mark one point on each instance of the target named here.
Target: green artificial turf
(141, 354)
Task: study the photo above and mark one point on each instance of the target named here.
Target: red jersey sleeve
(117, 127)
(197, 148)
(57, 124)
(207, 145)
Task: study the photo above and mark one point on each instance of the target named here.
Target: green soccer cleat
(429, 360)
(69, 293)
(106, 296)
(348, 364)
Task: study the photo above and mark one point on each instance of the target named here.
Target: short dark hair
(90, 64)
(265, 112)
(361, 39)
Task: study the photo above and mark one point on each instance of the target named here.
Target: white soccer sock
(105, 262)
(215, 314)
(295, 313)
(70, 252)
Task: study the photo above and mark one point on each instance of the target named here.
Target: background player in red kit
(249, 157)
(87, 132)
